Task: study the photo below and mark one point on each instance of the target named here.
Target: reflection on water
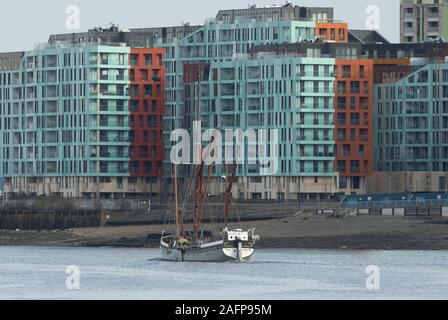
(39, 273)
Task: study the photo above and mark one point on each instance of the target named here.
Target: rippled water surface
(105, 273)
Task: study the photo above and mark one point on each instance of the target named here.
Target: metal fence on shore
(408, 204)
(245, 205)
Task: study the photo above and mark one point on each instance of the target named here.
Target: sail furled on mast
(201, 193)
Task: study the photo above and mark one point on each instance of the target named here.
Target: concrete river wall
(48, 219)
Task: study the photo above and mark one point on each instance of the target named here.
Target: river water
(106, 273)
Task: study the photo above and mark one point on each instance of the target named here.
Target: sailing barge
(235, 245)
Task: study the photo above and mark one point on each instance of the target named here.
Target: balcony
(409, 31)
(323, 155)
(228, 92)
(253, 75)
(121, 139)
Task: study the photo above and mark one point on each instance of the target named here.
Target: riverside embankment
(300, 230)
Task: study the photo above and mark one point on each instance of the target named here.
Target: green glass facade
(60, 108)
(293, 95)
(64, 122)
(218, 41)
(411, 122)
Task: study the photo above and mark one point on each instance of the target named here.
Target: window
(356, 183)
(361, 71)
(148, 59)
(343, 183)
(355, 87)
(346, 71)
(341, 87)
(134, 59)
(148, 167)
(442, 184)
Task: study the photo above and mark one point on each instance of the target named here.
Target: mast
(197, 200)
(199, 172)
(179, 219)
(229, 185)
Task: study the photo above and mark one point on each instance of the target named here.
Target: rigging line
(203, 196)
(208, 204)
(239, 217)
(187, 194)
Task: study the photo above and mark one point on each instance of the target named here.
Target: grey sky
(24, 23)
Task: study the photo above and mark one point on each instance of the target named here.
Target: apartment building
(354, 127)
(423, 20)
(353, 105)
(153, 36)
(288, 11)
(217, 41)
(135, 38)
(293, 95)
(336, 32)
(411, 125)
(147, 107)
(65, 122)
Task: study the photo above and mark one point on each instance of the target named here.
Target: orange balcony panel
(336, 32)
